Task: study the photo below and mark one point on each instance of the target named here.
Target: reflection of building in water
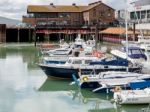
(56, 85)
(2, 33)
(2, 53)
(28, 53)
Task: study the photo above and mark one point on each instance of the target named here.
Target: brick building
(68, 20)
(73, 15)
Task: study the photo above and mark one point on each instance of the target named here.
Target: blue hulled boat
(87, 65)
(106, 81)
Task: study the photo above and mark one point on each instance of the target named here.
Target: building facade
(139, 13)
(66, 16)
(53, 22)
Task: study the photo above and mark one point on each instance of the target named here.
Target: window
(77, 62)
(136, 52)
(132, 15)
(143, 14)
(62, 15)
(138, 15)
(108, 14)
(88, 61)
(148, 14)
(94, 12)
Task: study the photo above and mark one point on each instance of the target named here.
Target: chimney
(51, 4)
(95, 2)
(73, 4)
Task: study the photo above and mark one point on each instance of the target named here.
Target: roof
(53, 8)
(116, 30)
(61, 8)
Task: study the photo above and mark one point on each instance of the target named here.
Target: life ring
(85, 78)
(117, 89)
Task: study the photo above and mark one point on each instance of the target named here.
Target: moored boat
(133, 96)
(106, 81)
(135, 54)
(87, 65)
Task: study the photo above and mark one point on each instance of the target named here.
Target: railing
(140, 21)
(28, 16)
(44, 26)
(58, 26)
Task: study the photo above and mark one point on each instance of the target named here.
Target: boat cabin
(81, 60)
(135, 53)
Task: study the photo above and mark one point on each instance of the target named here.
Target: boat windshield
(136, 51)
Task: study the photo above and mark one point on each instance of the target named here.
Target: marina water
(25, 88)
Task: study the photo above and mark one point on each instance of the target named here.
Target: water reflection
(25, 88)
(82, 98)
(133, 108)
(28, 53)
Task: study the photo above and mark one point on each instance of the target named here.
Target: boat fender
(85, 78)
(117, 89)
(100, 55)
(119, 99)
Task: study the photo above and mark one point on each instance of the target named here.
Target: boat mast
(126, 25)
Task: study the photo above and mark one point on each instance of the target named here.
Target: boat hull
(61, 72)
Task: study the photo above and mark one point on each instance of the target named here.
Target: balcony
(139, 21)
(55, 26)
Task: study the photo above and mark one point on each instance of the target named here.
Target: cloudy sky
(16, 8)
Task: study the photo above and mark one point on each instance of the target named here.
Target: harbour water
(25, 88)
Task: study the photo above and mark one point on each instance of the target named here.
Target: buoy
(85, 78)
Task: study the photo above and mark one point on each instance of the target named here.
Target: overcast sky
(16, 8)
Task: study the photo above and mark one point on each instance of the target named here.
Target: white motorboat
(109, 80)
(135, 54)
(132, 96)
(87, 64)
(145, 47)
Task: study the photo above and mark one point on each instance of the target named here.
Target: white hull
(124, 56)
(132, 96)
(114, 78)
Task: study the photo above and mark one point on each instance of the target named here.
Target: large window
(46, 15)
(62, 15)
(148, 14)
(94, 12)
(135, 15)
(143, 14)
(132, 15)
